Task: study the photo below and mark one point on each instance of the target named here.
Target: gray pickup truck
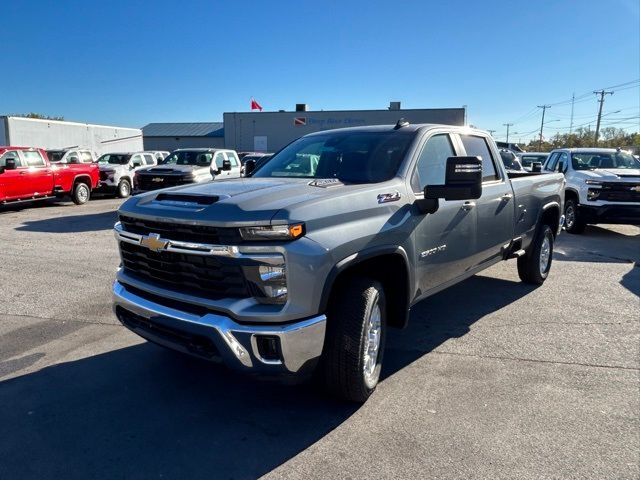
(301, 268)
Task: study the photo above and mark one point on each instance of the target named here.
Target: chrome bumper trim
(195, 248)
(300, 342)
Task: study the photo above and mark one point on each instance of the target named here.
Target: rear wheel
(534, 266)
(573, 222)
(81, 193)
(355, 339)
(124, 189)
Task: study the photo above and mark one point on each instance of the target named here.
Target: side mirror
(536, 166)
(249, 167)
(226, 165)
(463, 180)
(10, 164)
(74, 160)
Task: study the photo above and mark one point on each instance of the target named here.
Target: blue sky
(132, 62)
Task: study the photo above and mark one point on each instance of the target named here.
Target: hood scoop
(184, 200)
(160, 170)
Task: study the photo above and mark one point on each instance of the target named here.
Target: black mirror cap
(10, 164)
(249, 167)
(463, 180)
(536, 166)
(226, 165)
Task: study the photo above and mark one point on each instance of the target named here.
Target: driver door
(445, 240)
(11, 181)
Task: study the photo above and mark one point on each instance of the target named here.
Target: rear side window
(85, 157)
(10, 154)
(148, 159)
(432, 163)
(136, 161)
(477, 146)
(233, 159)
(33, 159)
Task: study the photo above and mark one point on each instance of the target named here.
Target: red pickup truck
(26, 174)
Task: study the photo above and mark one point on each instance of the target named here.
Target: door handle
(468, 205)
(23, 173)
(506, 197)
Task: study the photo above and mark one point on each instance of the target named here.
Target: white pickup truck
(603, 186)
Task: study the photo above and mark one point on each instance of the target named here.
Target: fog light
(593, 194)
(275, 292)
(268, 273)
(268, 347)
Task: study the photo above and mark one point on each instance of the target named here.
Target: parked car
(71, 155)
(510, 161)
(117, 171)
(306, 266)
(532, 160)
(26, 174)
(603, 186)
(184, 166)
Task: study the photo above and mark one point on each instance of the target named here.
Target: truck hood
(612, 174)
(173, 169)
(248, 201)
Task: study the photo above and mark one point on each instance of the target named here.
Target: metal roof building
(169, 136)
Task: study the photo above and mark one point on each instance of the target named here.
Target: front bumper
(616, 213)
(218, 338)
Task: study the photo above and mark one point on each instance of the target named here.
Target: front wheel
(81, 193)
(573, 222)
(355, 339)
(124, 189)
(534, 266)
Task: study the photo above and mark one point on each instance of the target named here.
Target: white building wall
(52, 134)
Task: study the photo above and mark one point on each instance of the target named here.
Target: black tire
(124, 188)
(573, 221)
(81, 193)
(530, 265)
(342, 367)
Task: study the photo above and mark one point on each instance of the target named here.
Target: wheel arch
(550, 215)
(388, 265)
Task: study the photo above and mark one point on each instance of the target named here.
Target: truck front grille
(620, 192)
(200, 275)
(104, 175)
(156, 182)
(182, 233)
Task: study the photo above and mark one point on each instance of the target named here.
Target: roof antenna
(401, 123)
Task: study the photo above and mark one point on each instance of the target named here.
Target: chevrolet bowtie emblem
(153, 242)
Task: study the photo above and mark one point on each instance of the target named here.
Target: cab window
(10, 154)
(233, 159)
(550, 166)
(477, 146)
(432, 163)
(136, 161)
(148, 159)
(85, 157)
(33, 158)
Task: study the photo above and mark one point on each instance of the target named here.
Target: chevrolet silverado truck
(301, 268)
(185, 166)
(603, 186)
(27, 175)
(118, 169)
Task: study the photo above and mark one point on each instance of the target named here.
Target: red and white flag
(255, 105)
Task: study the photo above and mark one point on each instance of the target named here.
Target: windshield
(55, 155)
(114, 159)
(353, 157)
(527, 160)
(593, 160)
(188, 158)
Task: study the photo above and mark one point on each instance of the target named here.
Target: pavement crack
(53, 319)
(532, 360)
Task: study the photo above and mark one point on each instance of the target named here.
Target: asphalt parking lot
(492, 379)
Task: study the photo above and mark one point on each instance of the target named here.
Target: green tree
(36, 115)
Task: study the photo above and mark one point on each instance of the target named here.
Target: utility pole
(491, 132)
(508, 125)
(602, 93)
(544, 109)
(573, 100)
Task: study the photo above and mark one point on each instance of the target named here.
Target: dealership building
(270, 131)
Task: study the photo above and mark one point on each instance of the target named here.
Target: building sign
(300, 121)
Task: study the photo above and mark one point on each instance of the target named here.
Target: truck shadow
(72, 223)
(143, 412)
(448, 314)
